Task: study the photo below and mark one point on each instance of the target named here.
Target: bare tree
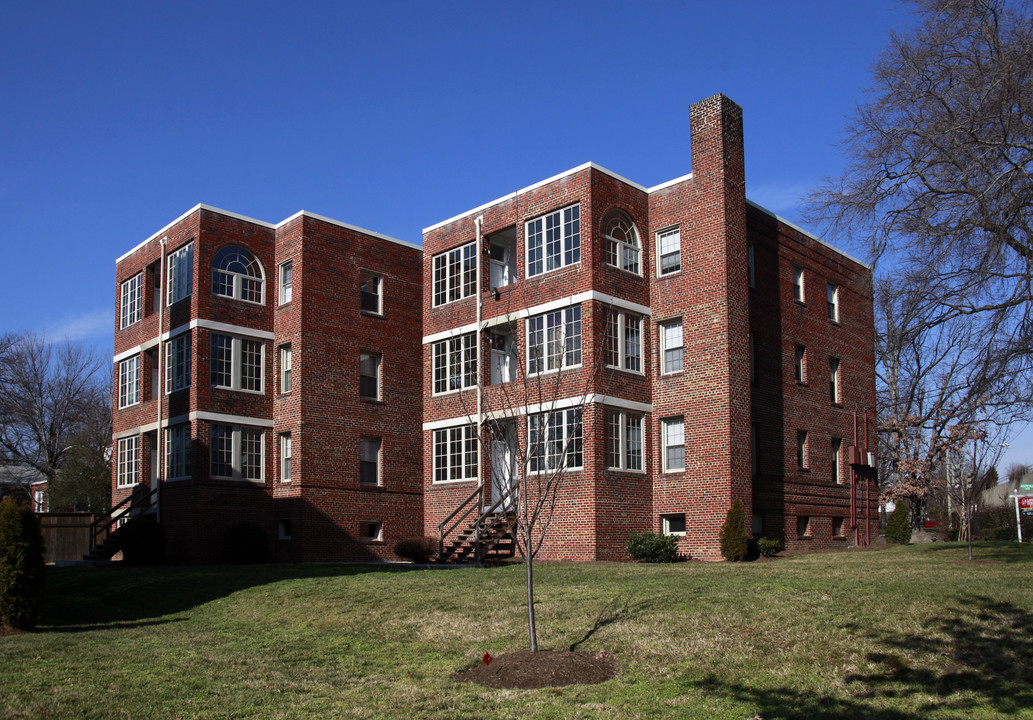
(970, 471)
(45, 400)
(83, 482)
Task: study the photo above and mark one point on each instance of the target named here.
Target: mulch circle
(525, 669)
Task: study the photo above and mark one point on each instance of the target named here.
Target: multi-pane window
(798, 283)
(555, 441)
(236, 363)
(369, 461)
(674, 524)
(837, 447)
(455, 363)
(554, 340)
(285, 368)
(673, 430)
(671, 346)
(455, 274)
(622, 341)
(128, 461)
(800, 364)
(177, 452)
(832, 292)
(131, 306)
(129, 382)
(369, 292)
(236, 452)
(286, 457)
(236, 273)
(801, 449)
(623, 440)
(668, 243)
(177, 363)
(369, 376)
(181, 273)
(455, 454)
(834, 380)
(620, 243)
(286, 281)
(553, 240)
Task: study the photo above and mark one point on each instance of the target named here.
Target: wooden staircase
(105, 540)
(492, 532)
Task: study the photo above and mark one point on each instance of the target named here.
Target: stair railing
(104, 524)
(444, 529)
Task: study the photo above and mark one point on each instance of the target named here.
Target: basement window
(803, 528)
(286, 530)
(371, 531)
(673, 524)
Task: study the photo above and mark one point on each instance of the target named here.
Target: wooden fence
(66, 536)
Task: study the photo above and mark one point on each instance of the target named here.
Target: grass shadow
(79, 599)
(619, 609)
(973, 658)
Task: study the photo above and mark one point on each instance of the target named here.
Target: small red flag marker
(487, 659)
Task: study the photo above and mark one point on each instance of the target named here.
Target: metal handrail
(442, 532)
(102, 525)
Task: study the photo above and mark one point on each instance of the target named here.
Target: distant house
(24, 484)
(1000, 495)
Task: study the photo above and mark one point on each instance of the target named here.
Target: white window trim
(379, 375)
(129, 375)
(366, 524)
(563, 341)
(622, 440)
(467, 343)
(803, 460)
(837, 460)
(128, 461)
(286, 369)
(177, 379)
(237, 280)
(832, 294)
(286, 290)
(663, 345)
(799, 288)
(660, 234)
(183, 286)
(467, 434)
(237, 364)
(286, 458)
(566, 441)
(622, 317)
(444, 257)
(171, 451)
(664, 423)
(237, 452)
(835, 386)
(379, 452)
(621, 245)
(800, 364)
(364, 274)
(562, 241)
(131, 301)
(665, 524)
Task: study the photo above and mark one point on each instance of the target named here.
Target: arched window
(236, 273)
(620, 242)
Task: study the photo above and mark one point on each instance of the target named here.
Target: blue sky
(118, 117)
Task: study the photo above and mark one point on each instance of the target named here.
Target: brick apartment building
(276, 362)
(673, 348)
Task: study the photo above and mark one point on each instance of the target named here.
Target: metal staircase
(490, 537)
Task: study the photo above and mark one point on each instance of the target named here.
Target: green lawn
(904, 633)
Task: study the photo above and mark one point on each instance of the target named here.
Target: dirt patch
(975, 562)
(525, 669)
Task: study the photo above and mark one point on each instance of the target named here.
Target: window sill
(837, 323)
(284, 304)
(837, 405)
(370, 486)
(640, 373)
(676, 373)
(371, 401)
(371, 314)
(676, 273)
(802, 383)
(801, 303)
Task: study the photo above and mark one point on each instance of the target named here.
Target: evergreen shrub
(651, 548)
(734, 544)
(898, 527)
(22, 566)
(769, 547)
(417, 549)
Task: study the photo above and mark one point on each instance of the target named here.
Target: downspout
(853, 491)
(160, 391)
(478, 342)
(867, 490)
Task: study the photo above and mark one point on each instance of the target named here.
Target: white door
(503, 474)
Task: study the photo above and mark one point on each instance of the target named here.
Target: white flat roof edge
(669, 183)
(535, 186)
(811, 235)
(263, 223)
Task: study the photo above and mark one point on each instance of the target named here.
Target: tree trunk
(532, 630)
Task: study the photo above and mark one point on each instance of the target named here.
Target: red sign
(1026, 505)
(487, 659)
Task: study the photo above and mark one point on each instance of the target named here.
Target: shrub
(769, 547)
(417, 549)
(733, 533)
(898, 527)
(21, 566)
(246, 544)
(143, 541)
(647, 547)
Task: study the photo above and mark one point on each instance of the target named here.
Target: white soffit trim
(230, 419)
(560, 404)
(205, 324)
(529, 188)
(348, 226)
(812, 236)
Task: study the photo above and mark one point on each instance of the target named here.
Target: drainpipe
(867, 491)
(160, 391)
(478, 342)
(853, 491)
